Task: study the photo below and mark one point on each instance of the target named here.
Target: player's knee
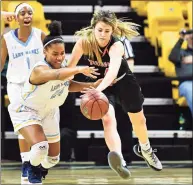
(109, 121)
(49, 162)
(38, 152)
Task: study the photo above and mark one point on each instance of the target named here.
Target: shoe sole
(34, 183)
(139, 155)
(23, 182)
(114, 161)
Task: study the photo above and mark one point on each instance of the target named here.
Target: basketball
(94, 105)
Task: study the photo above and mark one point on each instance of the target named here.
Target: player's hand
(89, 71)
(86, 90)
(9, 16)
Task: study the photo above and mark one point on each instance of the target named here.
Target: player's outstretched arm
(42, 74)
(80, 86)
(116, 52)
(77, 53)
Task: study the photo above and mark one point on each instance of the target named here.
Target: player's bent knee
(49, 162)
(38, 152)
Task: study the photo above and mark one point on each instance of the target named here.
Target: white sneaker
(149, 156)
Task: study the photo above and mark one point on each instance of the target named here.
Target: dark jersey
(126, 91)
(103, 67)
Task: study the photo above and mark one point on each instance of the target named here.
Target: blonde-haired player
(100, 44)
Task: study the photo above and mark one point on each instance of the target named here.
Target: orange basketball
(94, 105)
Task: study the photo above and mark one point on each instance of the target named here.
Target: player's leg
(51, 159)
(35, 136)
(52, 131)
(24, 152)
(112, 139)
(144, 150)
(133, 105)
(14, 93)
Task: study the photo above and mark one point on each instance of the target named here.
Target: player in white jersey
(24, 48)
(46, 88)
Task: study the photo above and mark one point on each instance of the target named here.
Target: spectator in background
(182, 59)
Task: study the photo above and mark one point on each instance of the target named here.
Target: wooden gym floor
(90, 174)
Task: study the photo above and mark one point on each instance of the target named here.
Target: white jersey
(43, 98)
(23, 56)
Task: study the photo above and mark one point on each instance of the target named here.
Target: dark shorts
(127, 93)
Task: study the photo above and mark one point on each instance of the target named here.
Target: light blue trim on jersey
(48, 64)
(30, 93)
(20, 108)
(25, 120)
(19, 41)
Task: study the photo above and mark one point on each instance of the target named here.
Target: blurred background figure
(182, 59)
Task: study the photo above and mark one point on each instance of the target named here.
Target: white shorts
(24, 117)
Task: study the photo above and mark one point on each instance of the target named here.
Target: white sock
(24, 156)
(145, 146)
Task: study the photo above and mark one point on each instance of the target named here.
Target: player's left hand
(88, 89)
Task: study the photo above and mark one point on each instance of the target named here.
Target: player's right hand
(9, 16)
(89, 71)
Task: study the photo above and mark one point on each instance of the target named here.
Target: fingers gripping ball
(94, 105)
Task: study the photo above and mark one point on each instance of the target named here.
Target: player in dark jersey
(101, 45)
